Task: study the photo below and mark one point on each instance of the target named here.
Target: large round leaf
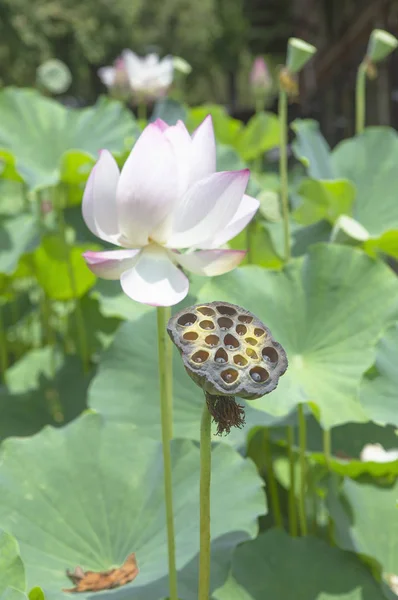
(277, 567)
(379, 393)
(327, 311)
(366, 521)
(12, 571)
(91, 493)
(39, 131)
(132, 362)
(18, 234)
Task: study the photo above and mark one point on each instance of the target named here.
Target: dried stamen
(225, 412)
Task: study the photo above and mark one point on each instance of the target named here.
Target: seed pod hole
(270, 354)
(212, 340)
(190, 336)
(221, 356)
(231, 342)
(229, 375)
(251, 341)
(245, 319)
(251, 353)
(200, 357)
(241, 329)
(259, 332)
(240, 360)
(259, 375)
(205, 310)
(224, 323)
(206, 325)
(226, 310)
(187, 320)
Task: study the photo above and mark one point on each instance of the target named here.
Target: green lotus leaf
(99, 329)
(43, 398)
(12, 593)
(365, 518)
(262, 246)
(18, 235)
(274, 565)
(311, 148)
(113, 302)
(91, 493)
(169, 110)
(379, 388)
(12, 572)
(138, 387)
(324, 199)
(327, 310)
(53, 265)
(39, 131)
(12, 197)
(226, 128)
(260, 134)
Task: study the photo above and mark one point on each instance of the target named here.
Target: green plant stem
(249, 239)
(303, 468)
(204, 495)
(165, 380)
(327, 450)
(292, 487)
(141, 111)
(282, 110)
(272, 485)
(3, 349)
(81, 328)
(360, 99)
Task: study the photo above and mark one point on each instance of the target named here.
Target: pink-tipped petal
(154, 279)
(181, 143)
(203, 154)
(111, 263)
(207, 208)
(147, 187)
(246, 211)
(160, 124)
(99, 199)
(211, 262)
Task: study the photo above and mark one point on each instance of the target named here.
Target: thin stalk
(165, 380)
(273, 488)
(249, 239)
(3, 349)
(81, 328)
(303, 468)
(142, 111)
(292, 489)
(360, 99)
(282, 111)
(327, 450)
(204, 495)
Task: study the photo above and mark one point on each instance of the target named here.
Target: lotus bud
(181, 65)
(381, 44)
(260, 78)
(228, 352)
(298, 54)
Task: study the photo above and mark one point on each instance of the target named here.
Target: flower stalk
(204, 495)
(165, 381)
(272, 485)
(303, 469)
(360, 99)
(292, 480)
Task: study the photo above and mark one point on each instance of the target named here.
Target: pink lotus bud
(260, 77)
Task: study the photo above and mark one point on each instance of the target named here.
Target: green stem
(142, 111)
(327, 450)
(360, 99)
(204, 495)
(249, 238)
(303, 468)
(282, 110)
(292, 488)
(165, 380)
(273, 488)
(81, 328)
(3, 349)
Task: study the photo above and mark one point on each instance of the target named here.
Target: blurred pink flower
(115, 78)
(259, 76)
(168, 197)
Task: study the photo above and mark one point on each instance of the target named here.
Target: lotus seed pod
(298, 54)
(227, 350)
(381, 44)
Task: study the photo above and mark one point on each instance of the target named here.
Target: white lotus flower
(115, 77)
(149, 77)
(168, 197)
(376, 453)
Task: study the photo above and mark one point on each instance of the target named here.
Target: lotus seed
(220, 359)
(256, 377)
